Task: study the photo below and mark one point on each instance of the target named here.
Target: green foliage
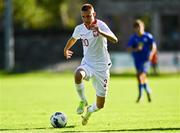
(28, 100)
(41, 14)
(29, 14)
(70, 12)
(1, 7)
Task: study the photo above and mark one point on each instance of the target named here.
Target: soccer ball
(58, 120)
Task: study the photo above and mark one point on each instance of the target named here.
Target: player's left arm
(109, 35)
(153, 51)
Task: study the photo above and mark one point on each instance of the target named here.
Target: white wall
(122, 62)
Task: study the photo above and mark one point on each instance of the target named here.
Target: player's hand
(68, 54)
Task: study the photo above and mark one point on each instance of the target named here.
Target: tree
(42, 14)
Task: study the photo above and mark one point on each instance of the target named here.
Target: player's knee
(142, 77)
(78, 76)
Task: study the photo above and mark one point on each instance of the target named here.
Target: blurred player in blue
(143, 47)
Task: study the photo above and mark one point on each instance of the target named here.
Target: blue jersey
(142, 56)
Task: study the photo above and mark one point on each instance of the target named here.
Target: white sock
(93, 108)
(80, 91)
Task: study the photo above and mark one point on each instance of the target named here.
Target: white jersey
(94, 46)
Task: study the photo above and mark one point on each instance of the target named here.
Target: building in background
(162, 18)
(41, 28)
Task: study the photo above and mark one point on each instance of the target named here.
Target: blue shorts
(142, 66)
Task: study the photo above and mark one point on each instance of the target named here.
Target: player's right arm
(132, 49)
(68, 53)
(131, 46)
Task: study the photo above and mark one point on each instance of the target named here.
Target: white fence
(167, 62)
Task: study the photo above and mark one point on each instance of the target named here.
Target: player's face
(139, 29)
(87, 17)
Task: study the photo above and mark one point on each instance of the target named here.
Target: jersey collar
(89, 26)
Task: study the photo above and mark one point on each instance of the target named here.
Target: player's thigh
(143, 66)
(146, 66)
(100, 82)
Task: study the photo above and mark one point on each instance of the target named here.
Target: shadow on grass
(143, 129)
(133, 130)
(149, 75)
(116, 130)
(40, 128)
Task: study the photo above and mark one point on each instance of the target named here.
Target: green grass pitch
(28, 100)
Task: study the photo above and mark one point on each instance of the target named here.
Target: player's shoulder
(79, 26)
(100, 22)
(149, 35)
(132, 39)
(133, 36)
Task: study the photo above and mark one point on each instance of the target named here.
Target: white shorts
(100, 79)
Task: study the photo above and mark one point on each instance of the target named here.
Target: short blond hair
(87, 7)
(138, 22)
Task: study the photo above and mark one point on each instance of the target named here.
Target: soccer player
(143, 47)
(96, 62)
